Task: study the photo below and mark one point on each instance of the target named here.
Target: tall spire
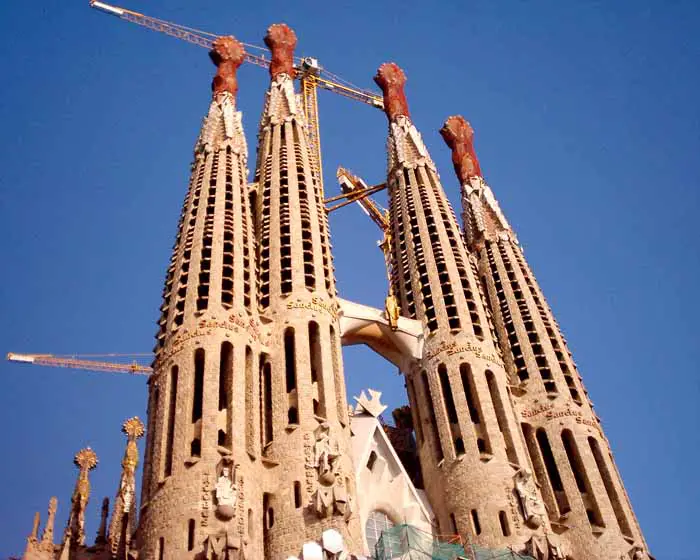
(305, 431)
(124, 511)
(469, 447)
(203, 408)
(47, 535)
(573, 467)
(481, 215)
(85, 460)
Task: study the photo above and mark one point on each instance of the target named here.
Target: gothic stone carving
(526, 488)
(331, 495)
(225, 545)
(226, 494)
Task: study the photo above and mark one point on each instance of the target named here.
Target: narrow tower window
(290, 359)
(503, 520)
(501, 417)
(475, 522)
(266, 393)
(315, 354)
(198, 393)
(297, 494)
(170, 435)
(249, 403)
(225, 390)
(450, 407)
(581, 477)
(613, 495)
(429, 404)
(475, 412)
(552, 471)
(190, 534)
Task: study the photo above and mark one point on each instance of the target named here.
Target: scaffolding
(405, 542)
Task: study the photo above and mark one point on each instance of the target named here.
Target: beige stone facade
(251, 451)
(585, 499)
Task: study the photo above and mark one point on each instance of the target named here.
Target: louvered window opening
(513, 342)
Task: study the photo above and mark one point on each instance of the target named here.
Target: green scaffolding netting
(409, 543)
(405, 542)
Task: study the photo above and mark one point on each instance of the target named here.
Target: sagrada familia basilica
(252, 450)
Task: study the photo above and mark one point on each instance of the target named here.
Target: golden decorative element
(133, 428)
(85, 459)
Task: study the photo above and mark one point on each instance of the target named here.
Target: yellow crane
(79, 362)
(311, 75)
(356, 190)
(309, 72)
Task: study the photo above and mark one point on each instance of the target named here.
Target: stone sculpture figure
(331, 494)
(526, 488)
(226, 494)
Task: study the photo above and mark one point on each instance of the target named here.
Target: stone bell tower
(305, 436)
(202, 466)
(469, 444)
(585, 499)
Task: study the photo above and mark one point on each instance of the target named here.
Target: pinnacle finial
(133, 428)
(47, 535)
(228, 54)
(459, 136)
(391, 79)
(85, 459)
(281, 40)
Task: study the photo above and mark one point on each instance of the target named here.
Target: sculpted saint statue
(226, 490)
(526, 488)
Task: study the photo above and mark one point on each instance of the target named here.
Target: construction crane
(356, 190)
(310, 73)
(78, 362)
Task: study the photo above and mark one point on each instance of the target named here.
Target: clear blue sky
(587, 122)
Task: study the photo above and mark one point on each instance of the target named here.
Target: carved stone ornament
(459, 137)
(635, 553)
(225, 545)
(226, 494)
(528, 494)
(391, 79)
(85, 460)
(281, 40)
(228, 54)
(331, 495)
(405, 147)
(372, 406)
(545, 547)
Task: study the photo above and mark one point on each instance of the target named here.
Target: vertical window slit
(581, 477)
(450, 407)
(437, 444)
(610, 489)
(317, 377)
(501, 417)
(170, 436)
(552, 471)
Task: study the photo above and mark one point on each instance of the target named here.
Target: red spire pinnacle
(281, 40)
(228, 54)
(459, 136)
(391, 79)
